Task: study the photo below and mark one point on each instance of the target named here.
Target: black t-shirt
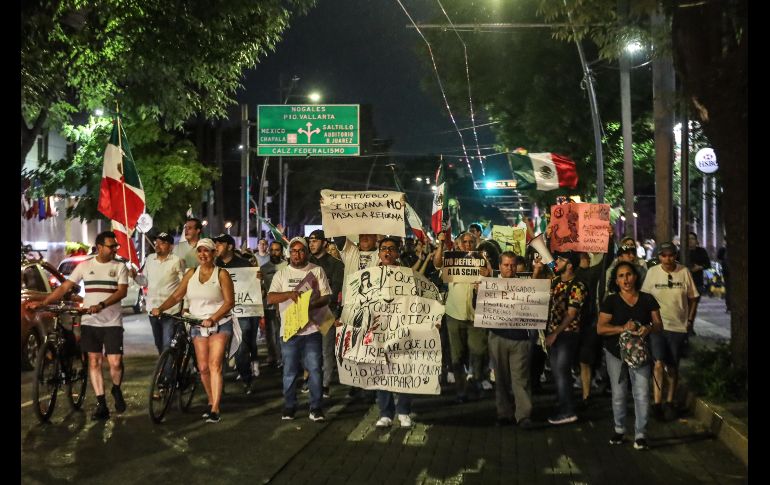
(700, 257)
(235, 262)
(621, 313)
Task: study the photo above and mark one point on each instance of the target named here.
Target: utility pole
(625, 115)
(663, 98)
(245, 174)
(684, 187)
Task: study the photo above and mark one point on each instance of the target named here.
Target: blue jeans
(562, 354)
(385, 401)
(307, 348)
(247, 352)
(640, 388)
(162, 332)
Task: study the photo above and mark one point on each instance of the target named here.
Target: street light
(314, 97)
(228, 225)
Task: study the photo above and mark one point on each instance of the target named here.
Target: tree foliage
(166, 60)
(171, 175)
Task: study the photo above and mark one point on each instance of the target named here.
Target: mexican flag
(121, 195)
(127, 250)
(412, 218)
(439, 205)
(277, 235)
(542, 171)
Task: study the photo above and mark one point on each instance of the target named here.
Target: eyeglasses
(670, 281)
(297, 251)
(112, 246)
(392, 249)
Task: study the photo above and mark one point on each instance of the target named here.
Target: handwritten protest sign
(296, 315)
(462, 266)
(511, 238)
(580, 227)
(389, 338)
(371, 212)
(512, 303)
(247, 290)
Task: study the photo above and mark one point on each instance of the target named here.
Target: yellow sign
(296, 316)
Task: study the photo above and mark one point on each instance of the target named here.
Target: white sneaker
(384, 422)
(405, 420)
(255, 369)
(486, 385)
(450, 377)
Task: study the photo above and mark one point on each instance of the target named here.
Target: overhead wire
(468, 79)
(440, 85)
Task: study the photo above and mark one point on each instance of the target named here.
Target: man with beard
(306, 343)
(272, 317)
(335, 272)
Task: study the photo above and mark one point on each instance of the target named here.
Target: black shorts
(95, 339)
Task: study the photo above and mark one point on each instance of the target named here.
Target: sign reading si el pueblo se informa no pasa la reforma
(301, 130)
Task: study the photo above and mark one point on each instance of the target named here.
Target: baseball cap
(164, 236)
(570, 256)
(225, 238)
(206, 243)
(667, 246)
(317, 234)
(627, 247)
(299, 239)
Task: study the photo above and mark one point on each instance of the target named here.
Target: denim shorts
(225, 328)
(666, 347)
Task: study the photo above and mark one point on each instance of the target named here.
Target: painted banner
(512, 303)
(372, 212)
(580, 227)
(388, 338)
(247, 290)
(462, 266)
(511, 238)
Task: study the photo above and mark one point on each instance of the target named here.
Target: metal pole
(283, 197)
(245, 174)
(628, 154)
(684, 188)
(705, 211)
(281, 215)
(714, 215)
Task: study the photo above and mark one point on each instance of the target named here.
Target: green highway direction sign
(301, 130)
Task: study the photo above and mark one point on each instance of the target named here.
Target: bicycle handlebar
(62, 309)
(190, 320)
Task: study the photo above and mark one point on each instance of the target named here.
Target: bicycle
(59, 362)
(176, 371)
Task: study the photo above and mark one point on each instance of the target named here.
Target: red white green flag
(127, 249)
(542, 171)
(121, 195)
(439, 208)
(276, 233)
(412, 218)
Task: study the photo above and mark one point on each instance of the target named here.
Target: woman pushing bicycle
(209, 291)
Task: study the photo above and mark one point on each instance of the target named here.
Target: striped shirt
(100, 280)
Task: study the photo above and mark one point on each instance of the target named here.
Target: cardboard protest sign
(513, 303)
(247, 290)
(462, 266)
(389, 338)
(301, 316)
(511, 238)
(370, 212)
(580, 227)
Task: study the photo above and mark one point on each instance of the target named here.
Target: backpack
(633, 349)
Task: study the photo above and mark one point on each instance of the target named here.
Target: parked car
(38, 279)
(135, 298)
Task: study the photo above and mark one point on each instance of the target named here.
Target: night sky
(357, 52)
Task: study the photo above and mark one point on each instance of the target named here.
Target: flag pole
(123, 184)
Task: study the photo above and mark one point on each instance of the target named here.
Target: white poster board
(512, 303)
(370, 212)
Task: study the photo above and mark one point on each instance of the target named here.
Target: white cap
(299, 239)
(206, 243)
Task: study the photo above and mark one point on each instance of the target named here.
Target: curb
(722, 423)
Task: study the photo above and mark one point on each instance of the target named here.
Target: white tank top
(205, 298)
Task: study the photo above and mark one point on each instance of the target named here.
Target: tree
(710, 50)
(167, 165)
(165, 60)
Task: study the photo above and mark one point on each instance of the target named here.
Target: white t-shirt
(356, 260)
(674, 307)
(100, 280)
(287, 279)
(163, 277)
(186, 253)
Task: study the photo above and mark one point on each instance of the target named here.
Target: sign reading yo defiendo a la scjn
(462, 266)
(301, 130)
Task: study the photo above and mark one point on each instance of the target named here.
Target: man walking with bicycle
(106, 283)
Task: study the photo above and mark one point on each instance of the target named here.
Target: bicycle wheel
(188, 383)
(78, 381)
(47, 381)
(162, 385)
